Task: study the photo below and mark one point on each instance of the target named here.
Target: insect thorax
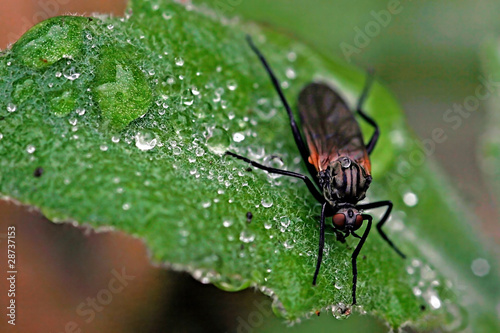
(344, 181)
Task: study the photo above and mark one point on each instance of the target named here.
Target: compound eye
(359, 222)
(339, 221)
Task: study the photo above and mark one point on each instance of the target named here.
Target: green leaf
(56, 38)
(155, 98)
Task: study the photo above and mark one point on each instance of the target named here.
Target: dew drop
(435, 302)
(217, 98)
(217, 140)
(238, 137)
(30, 149)
(266, 203)
(104, 147)
(187, 97)
(1, 136)
(274, 161)
(410, 199)
(290, 73)
(288, 244)
(345, 162)
(247, 237)
(71, 74)
(397, 137)
(126, 206)
(145, 141)
(11, 107)
(195, 91)
(167, 15)
(176, 150)
(179, 61)
(232, 85)
(338, 286)
(199, 151)
(227, 223)
(284, 221)
(268, 225)
(115, 139)
(480, 267)
(206, 204)
(256, 152)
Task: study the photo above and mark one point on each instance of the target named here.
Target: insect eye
(339, 221)
(359, 222)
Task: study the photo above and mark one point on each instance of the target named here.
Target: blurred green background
(427, 54)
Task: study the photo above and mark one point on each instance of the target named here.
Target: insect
(337, 160)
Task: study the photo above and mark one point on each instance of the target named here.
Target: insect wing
(330, 127)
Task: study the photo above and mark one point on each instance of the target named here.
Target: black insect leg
(293, 124)
(321, 242)
(373, 141)
(309, 183)
(355, 254)
(380, 224)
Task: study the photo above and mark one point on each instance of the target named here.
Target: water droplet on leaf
(145, 141)
(266, 203)
(217, 140)
(11, 107)
(30, 149)
(247, 237)
(238, 137)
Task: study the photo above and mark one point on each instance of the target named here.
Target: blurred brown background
(62, 267)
